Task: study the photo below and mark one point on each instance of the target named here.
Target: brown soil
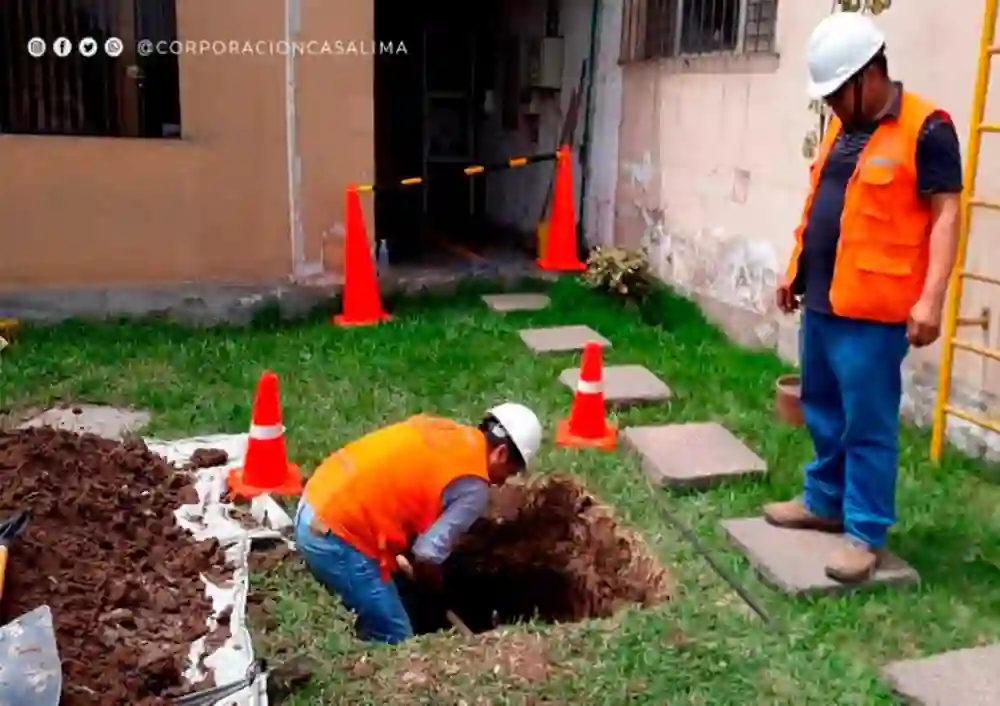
(549, 551)
(265, 557)
(102, 549)
(208, 458)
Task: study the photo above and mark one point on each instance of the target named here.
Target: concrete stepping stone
(108, 422)
(561, 339)
(794, 561)
(504, 303)
(961, 678)
(625, 385)
(699, 455)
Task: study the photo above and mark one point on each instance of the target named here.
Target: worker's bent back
(379, 492)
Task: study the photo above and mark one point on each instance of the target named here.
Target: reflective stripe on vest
(884, 245)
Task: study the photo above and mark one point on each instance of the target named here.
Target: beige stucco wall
(711, 160)
(213, 206)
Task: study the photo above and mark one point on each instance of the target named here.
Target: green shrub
(623, 273)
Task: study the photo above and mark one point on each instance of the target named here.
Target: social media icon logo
(113, 47)
(62, 47)
(87, 47)
(36, 47)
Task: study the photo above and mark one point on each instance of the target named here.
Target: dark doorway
(428, 110)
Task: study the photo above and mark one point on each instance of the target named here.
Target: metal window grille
(661, 29)
(665, 28)
(758, 28)
(632, 46)
(124, 96)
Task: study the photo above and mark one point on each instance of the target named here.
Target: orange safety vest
(380, 492)
(884, 245)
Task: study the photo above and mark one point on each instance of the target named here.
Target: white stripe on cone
(590, 388)
(266, 433)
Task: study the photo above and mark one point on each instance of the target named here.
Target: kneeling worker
(417, 485)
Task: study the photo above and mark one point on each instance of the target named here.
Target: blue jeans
(851, 392)
(356, 579)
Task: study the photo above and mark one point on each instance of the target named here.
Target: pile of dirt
(208, 458)
(549, 550)
(103, 550)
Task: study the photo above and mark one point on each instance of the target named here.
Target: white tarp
(212, 518)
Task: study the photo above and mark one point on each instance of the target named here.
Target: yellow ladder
(977, 128)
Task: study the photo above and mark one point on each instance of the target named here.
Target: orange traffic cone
(587, 426)
(266, 468)
(362, 300)
(561, 253)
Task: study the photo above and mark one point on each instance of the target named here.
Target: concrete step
(794, 561)
(699, 455)
(961, 678)
(561, 339)
(625, 385)
(503, 303)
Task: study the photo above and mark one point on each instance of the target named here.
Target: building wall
(515, 198)
(599, 213)
(336, 124)
(214, 206)
(711, 166)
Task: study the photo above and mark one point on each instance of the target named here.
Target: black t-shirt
(939, 171)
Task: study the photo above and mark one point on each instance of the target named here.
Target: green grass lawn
(454, 357)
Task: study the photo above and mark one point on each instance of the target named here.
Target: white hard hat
(839, 47)
(522, 425)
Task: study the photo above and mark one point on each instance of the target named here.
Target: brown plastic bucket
(788, 400)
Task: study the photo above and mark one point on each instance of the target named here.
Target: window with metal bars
(654, 29)
(100, 96)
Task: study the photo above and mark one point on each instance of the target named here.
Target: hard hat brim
(825, 89)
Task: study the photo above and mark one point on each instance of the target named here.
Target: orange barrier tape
(471, 170)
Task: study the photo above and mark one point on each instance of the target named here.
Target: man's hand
(924, 324)
(785, 298)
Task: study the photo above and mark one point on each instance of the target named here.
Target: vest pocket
(882, 264)
(881, 195)
(875, 197)
(876, 285)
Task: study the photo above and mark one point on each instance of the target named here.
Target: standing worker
(873, 256)
(425, 479)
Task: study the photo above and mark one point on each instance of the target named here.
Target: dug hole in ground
(143, 567)
(548, 551)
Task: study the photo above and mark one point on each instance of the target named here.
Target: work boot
(855, 562)
(793, 514)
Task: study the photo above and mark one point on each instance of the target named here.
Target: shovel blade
(30, 669)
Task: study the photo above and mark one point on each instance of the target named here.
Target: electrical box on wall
(545, 63)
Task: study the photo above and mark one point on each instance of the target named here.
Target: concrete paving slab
(504, 303)
(625, 385)
(698, 455)
(794, 561)
(961, 678)
(561, 339)
(109, 422)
